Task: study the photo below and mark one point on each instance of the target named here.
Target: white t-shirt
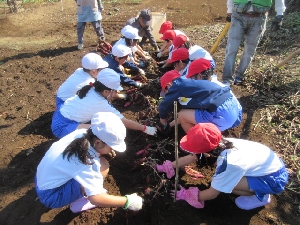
(82, 110)
(248, 158)
(74, 83)
(54, 170)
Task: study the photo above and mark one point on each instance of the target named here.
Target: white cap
(120, 50)
(109, 128)
(197, 52)
(110, 79)
(93, 61)
(130, 32)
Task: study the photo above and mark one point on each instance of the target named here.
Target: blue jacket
(204, 94)
(113, 64)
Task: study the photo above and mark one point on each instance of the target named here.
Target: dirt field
(38, 51)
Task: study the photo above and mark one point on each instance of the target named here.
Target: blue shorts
(60, 196)
(273, 183)
(59, 102)
(62, 126)
(226, 115)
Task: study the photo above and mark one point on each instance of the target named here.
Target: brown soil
(38, 52)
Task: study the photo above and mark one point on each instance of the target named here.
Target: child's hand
(190, 196)
(134, 202)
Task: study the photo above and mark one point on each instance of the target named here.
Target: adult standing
(143, 23)
(248, 20)
(89, 11)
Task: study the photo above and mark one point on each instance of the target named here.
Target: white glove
(139, 84)
(122, 96)
(134, 202)
(159, 54)
(150, 130)
(142, 72)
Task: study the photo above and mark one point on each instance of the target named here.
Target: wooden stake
(176, 149)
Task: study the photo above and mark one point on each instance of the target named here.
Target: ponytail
(79, 148)
(99, 88)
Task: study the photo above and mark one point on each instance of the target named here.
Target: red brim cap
(183, 144)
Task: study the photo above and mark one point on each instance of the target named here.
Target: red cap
(169, 34)
(179, 54)
(179, 40)
(168, 77)
(198, 66)
(165, 26)
(201, 138)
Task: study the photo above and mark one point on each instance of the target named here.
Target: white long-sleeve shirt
(279, 6)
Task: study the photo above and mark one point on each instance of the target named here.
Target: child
(74, 168)
(116, 59)
(77, 111)
(180, 60)
(201, 69)
(163, 28)
(92, 64)
(130, 38)
(168, 37)
(246, 168)
(202, 101)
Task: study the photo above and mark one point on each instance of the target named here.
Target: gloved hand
(142, 72)
(277, 23)
(167, 168)
(159, 54)
(164, 129)
(139, 84)
(228, 18)
(190, 196)
(122, 96)
(134, 202)
(150, 130)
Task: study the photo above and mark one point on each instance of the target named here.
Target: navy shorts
(62, 126)
(226, 115)
(273, 183)
(60, 196)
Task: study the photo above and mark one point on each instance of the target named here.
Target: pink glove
(167, 168)
(190, 196)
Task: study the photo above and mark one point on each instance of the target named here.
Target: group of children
(91, 129)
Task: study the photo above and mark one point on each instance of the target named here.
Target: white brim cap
(120, 50)
(110, 79)
(109, 128)
(130, 32)
(93, 61)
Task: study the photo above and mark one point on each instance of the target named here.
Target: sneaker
(238, 80)
(81, 204)
(251, 202)
(80, 46)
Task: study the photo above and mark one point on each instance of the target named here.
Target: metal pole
(176, 149)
